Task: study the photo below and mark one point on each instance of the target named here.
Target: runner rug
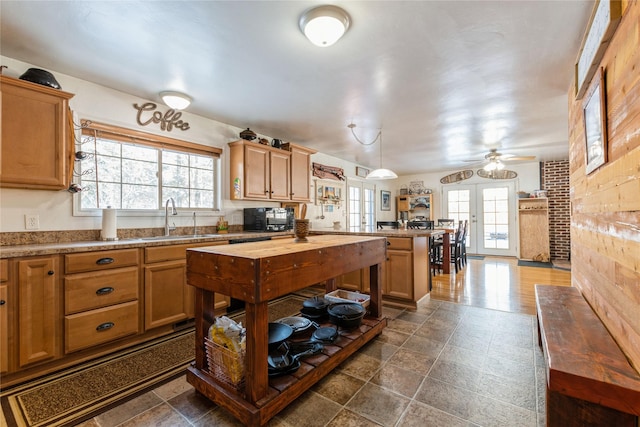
(70, 396)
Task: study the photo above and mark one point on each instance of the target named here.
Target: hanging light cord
(352, 126)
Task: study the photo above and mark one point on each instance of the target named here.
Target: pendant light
(380, 173)
(324, 25)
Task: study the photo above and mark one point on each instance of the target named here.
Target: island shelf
(257, 273)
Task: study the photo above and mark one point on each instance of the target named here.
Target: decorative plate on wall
(501, 174)
(457, 177)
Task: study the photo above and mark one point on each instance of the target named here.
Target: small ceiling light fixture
(494, 164)
(175, 100)
(380, 173)
(324, 25)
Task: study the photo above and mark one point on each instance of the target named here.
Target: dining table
(446, 248)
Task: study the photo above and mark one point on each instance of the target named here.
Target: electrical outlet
(32, 222)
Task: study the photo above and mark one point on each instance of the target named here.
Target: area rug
(475, 256)
(523, 263)
(73, 395)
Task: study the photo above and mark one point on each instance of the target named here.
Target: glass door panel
(490, 210)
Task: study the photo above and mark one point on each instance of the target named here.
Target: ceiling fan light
(175, 100)
(381, 174)
(324, 25)
(499, 165)
(490, 166)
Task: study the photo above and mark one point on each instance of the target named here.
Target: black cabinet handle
(50, 273)
(105, 326)
(2, 302)
(388, 243)
(103, 261)
(104, 291)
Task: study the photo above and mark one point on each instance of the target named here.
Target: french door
(491, 212)
(361, 208)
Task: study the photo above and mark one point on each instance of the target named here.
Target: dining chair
(443, 222)
(456, 247)
(421, 225)
(382, 224)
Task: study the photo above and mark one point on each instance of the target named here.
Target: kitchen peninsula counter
(261, 271)
(406, 278)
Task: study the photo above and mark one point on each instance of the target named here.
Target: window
(132, 170)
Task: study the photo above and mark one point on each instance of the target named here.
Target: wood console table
(261, 271)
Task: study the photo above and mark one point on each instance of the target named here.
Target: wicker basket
(225, 365)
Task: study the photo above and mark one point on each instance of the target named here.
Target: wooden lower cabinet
(4, 316)
(165, 294)
(39, 306)
(168, 298)
(399, 275)
(101, 298)
(405, 278)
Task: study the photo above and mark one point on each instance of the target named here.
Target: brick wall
(555, 179)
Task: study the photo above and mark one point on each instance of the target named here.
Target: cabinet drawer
(94, 261)
(400, 243)
(99, 326)
(173, 252)
(94, 290)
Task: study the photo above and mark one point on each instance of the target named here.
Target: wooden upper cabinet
(37, 143)
(300, 172)
(259, 172)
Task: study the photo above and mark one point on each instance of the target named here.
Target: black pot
(278, 333)
(315, 306)
(248, 135)
(41, 77)
(346, 315)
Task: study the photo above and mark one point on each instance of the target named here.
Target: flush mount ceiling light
(324, 25)
(380, 173)
(175, 100)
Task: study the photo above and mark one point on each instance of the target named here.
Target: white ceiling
(445, 80)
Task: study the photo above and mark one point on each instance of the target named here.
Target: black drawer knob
(104, 291)
(105, 326)
(103, 261)
(2, 302)
(50, 273)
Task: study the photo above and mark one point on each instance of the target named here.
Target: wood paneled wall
(605, 223)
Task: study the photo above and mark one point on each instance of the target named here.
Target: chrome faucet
(167, 229)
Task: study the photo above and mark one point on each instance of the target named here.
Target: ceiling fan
(495, 160)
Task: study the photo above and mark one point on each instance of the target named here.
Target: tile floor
(443, 364)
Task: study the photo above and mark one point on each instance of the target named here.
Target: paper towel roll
(109, 224)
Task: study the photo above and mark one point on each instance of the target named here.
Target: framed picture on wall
(595, 123)
(385, 200)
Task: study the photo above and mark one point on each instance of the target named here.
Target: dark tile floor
(443, 364)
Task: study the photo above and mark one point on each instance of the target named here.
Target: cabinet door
(256, 172)
(399, 274)
(166, 294)
(4, 329)
(4, 316)
(280, 175)
(351, 281)
(39, 312)
(35, 136)
(300, 176)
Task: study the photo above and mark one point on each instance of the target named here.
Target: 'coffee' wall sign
(168, 120)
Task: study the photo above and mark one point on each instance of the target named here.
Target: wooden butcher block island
(257, 273)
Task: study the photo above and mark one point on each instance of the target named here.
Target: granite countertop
(34, 249)
(387, 232)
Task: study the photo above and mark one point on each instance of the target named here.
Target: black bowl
(41, 77)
